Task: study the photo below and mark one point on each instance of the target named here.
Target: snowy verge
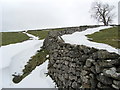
(14, 57)
(37, 79)
(16, 51)
(79, 38)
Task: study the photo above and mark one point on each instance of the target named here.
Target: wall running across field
(78, 66)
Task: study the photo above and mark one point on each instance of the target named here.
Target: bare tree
(102, 12)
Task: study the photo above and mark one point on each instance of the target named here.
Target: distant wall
(78, 66)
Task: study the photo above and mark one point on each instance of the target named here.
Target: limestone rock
(105, 80)
(117, 83)
(97, 68)
(93, 69)
(72, 77)
(115, 87)
(83, 72)
(118, 69)
(66, 62)
(111, 73)
(102, 54)
(72, 65)
(102, 86)
(93, 83)
(89, 62)
(74, 84)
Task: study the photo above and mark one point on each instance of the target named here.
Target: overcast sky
(34, 14)
(119, 13)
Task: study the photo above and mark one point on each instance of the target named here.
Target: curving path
(79, 38)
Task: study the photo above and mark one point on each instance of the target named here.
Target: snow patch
(37, 79)
(47, 56)
(80, 38)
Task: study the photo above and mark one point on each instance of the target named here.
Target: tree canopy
(102, 12)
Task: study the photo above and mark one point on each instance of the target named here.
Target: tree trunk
(104, 21)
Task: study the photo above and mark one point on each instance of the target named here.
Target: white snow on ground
(32, 36)
(37, 79)
(18, 52)
(79, 38)
(13, 58)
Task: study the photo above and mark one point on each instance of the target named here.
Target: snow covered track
(14, 57)
(79, 38)
(31, 36)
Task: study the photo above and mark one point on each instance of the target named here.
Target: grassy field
(42, 33)
(108, 36)
(12, 37)
(35, 61)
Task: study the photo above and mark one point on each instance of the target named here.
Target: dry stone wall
(78, 66)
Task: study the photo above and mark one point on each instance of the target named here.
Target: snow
(13, 58)
(47, 56)
(79, 38)
(32, 36)
(37, 78)
(18, 52)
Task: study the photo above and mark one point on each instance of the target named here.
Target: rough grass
(35, 61)
(108, 36)
(12, 37)
(42, 33)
